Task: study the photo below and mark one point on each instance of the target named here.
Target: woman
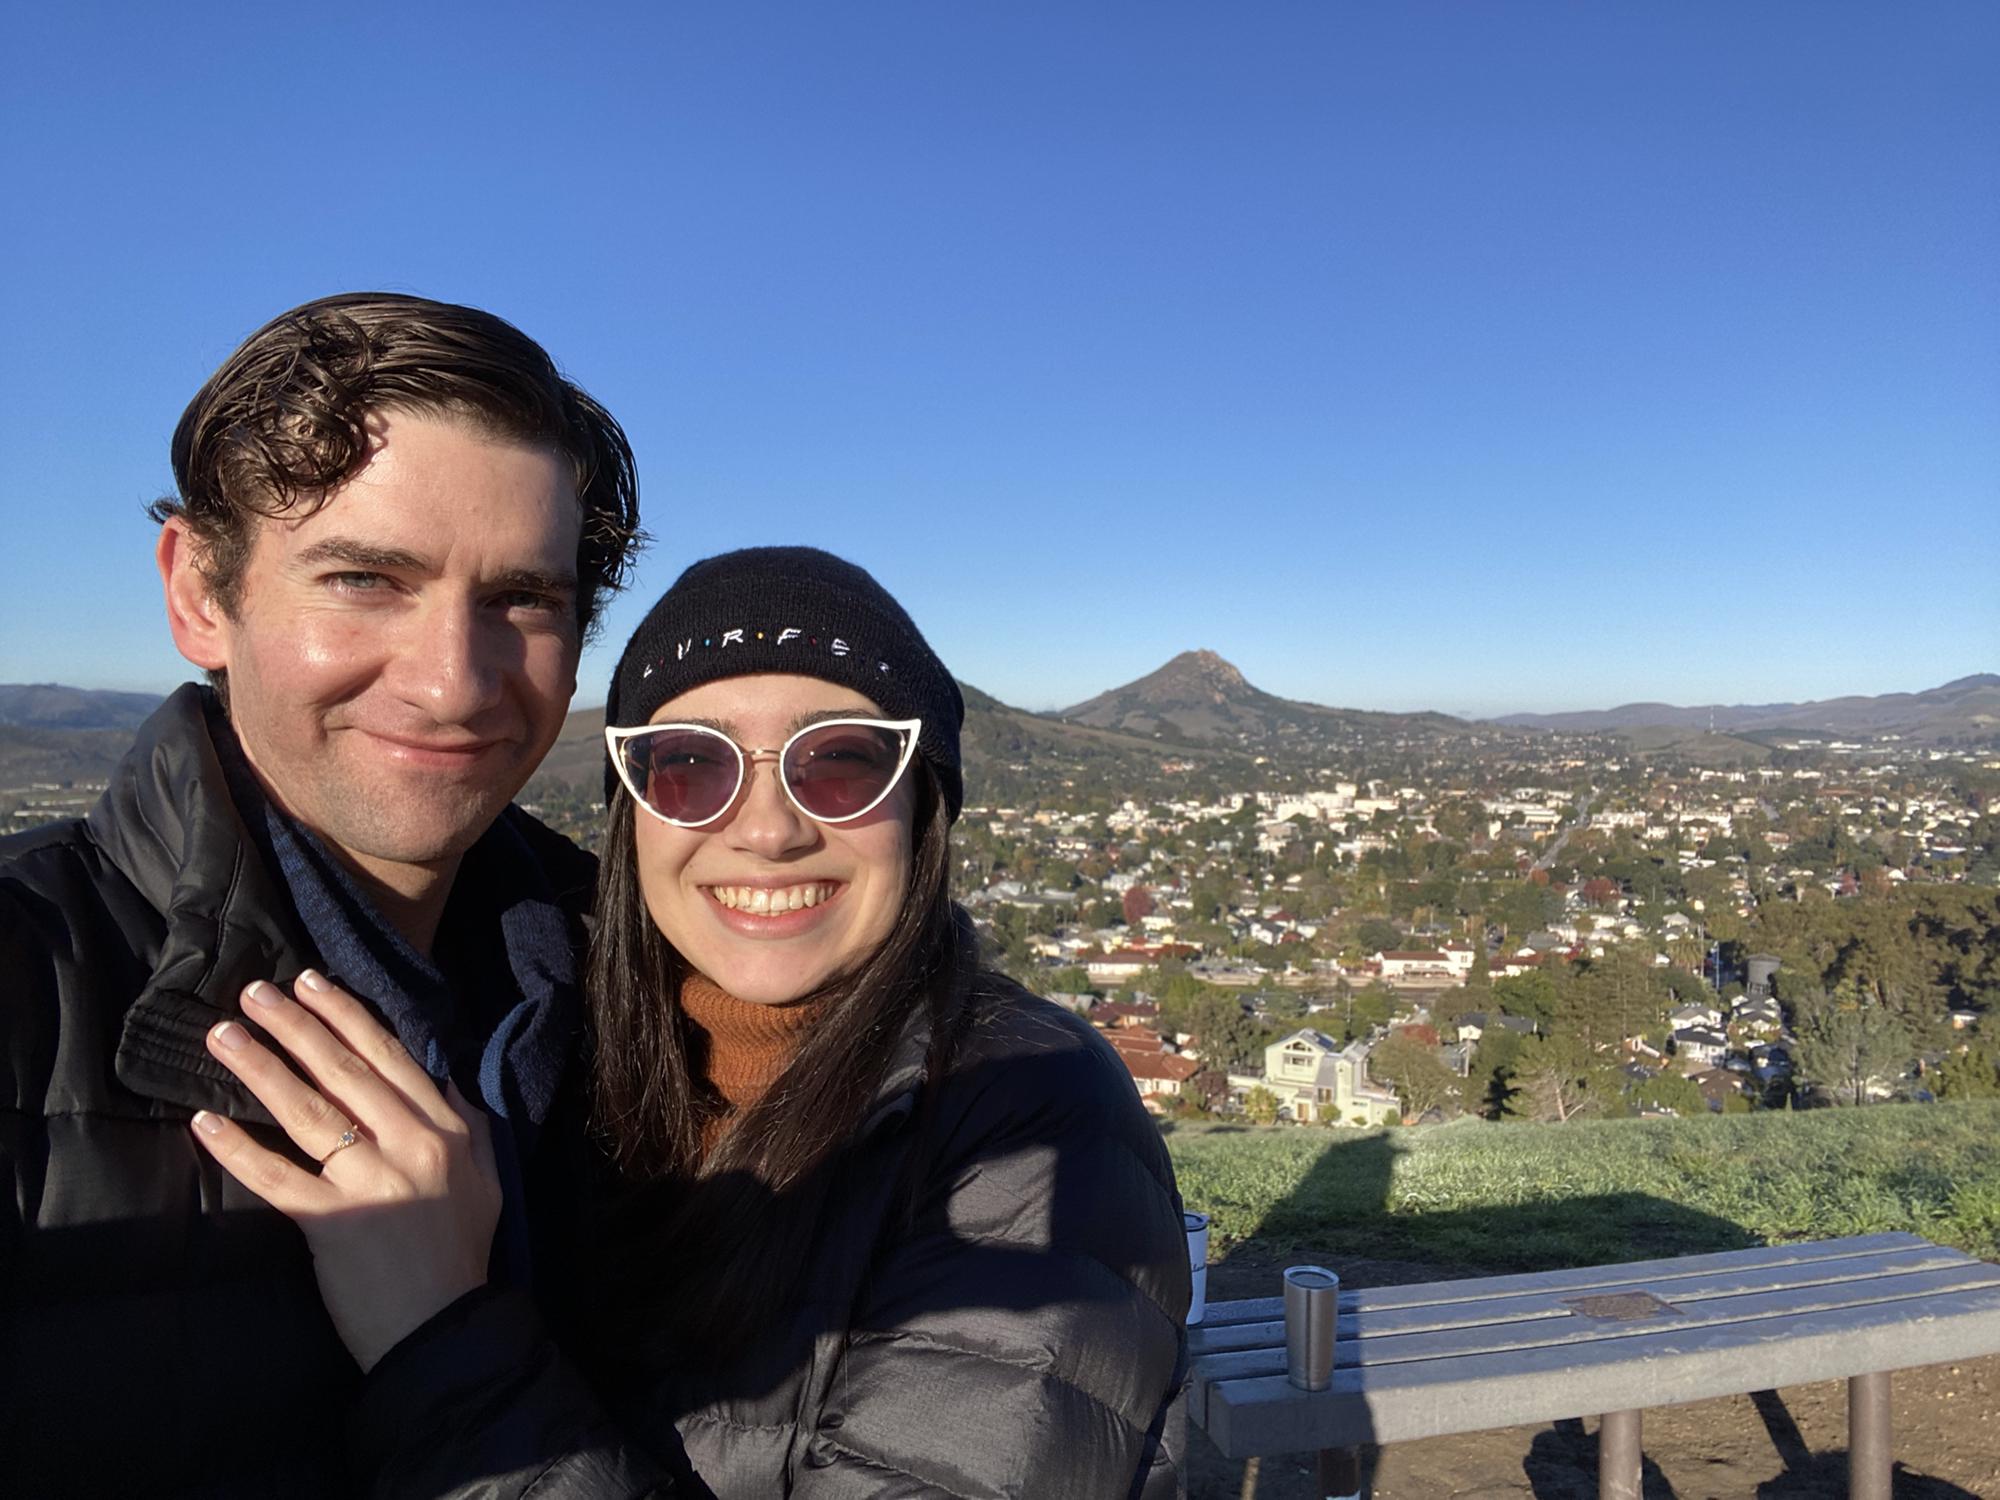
(877, 1221)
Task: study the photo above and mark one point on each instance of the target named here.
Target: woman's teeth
(762, 900)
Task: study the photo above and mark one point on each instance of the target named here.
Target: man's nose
(766, 823)
(449, 664)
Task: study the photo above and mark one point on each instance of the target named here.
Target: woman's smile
(767, 900)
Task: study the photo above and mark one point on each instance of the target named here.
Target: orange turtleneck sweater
(748, 1045)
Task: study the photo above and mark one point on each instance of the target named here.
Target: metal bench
(1461, 1356)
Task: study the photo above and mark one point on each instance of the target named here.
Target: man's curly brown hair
(283, 424)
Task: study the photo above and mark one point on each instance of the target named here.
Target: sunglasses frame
(615, 739)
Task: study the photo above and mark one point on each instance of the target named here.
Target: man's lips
(419, 751)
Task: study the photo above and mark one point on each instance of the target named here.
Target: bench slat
(1579, 1279)
(1425, 1398)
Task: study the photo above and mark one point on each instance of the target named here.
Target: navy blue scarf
(506, 1051)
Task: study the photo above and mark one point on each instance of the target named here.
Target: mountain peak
(1200, 683)
(1201, 674)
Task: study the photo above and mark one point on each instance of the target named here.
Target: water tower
(1760, 967)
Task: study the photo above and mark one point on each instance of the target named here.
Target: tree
(1378, 936)
(1601, 891)
(1488, 1087)
(1560, 1078)
(1287, 1006)
(1531, 995)
(1414, 1071)
(1106, 914)
(1526, 907)
(1138, 902)
(1260, 1106)
(1672, 1091)
(1849, 1046)
(1205, 1092)
(1364, 1010)
(1228, 1038)
(1971, 1074)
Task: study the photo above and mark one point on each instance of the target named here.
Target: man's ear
(199, 624)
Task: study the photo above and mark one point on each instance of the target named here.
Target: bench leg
(1868, 1461)
(1340, 1473)
(1618, 1456)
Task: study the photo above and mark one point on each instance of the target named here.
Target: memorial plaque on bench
(1622, 1307)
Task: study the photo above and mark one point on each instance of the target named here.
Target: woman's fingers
(352, 1078)
(289, 1189)
(313, 1121)
(351, 1023)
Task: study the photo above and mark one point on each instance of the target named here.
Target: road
(1582, 820)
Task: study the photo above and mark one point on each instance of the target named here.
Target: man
(395, 523)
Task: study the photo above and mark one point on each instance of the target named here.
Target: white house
(1701, 1046)
(1315, 1078)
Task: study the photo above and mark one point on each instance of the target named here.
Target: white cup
(1197, 1238)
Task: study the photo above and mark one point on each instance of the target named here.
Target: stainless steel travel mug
(1312, 1299)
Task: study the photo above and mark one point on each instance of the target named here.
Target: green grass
(1524, 1197)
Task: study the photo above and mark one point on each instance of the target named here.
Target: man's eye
(528, 599)
(359, 583)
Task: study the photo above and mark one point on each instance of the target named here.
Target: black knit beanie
(797, 610)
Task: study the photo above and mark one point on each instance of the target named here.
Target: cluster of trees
(1919, 952)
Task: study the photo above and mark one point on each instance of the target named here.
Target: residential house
(1315, 1078)
(1699, 1045)
(1476, 1023)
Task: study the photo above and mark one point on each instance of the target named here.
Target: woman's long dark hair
(732, 1226)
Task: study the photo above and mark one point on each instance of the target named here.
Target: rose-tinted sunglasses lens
(685, 774)
(840, 770)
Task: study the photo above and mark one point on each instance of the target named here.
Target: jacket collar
(170, 822)
(910, 1061)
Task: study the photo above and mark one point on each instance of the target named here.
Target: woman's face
(730, 896)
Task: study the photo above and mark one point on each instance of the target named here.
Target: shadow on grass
(1341, 1208)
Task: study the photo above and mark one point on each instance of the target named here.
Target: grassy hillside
(1524, 1197)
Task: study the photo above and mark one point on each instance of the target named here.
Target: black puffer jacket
(160, 1329)
(1019, 1335)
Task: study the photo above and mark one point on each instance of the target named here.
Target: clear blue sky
(1477, 357)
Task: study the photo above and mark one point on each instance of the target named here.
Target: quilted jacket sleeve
(1025, 1336)
(478, 1404)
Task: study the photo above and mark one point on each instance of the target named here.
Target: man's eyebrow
(355, 554)
(534, 580)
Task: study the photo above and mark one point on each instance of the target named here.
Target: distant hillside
(57, 757)
(1967, 708)
(1200, 698)
(47, 705)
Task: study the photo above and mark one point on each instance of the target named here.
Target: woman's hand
(400, 1216)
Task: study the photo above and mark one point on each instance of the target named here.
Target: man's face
(401, 659)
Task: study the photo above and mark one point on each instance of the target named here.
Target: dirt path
(1791, 1445)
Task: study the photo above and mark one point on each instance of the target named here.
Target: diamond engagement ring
(347, 1138)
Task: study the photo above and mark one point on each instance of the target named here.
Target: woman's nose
(766, 821)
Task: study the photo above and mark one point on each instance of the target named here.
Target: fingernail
(312, 979)
(207, 1123)
(230, 1035)
(262, 992)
